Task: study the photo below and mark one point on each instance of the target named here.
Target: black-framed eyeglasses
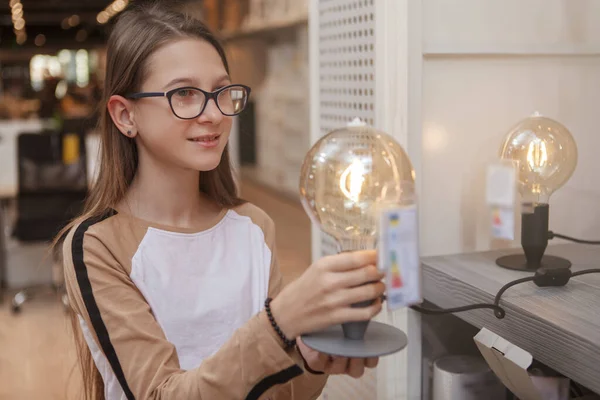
(189, 102)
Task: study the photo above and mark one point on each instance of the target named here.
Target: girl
(169, 274)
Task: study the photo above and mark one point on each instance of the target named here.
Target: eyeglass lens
(188, 103)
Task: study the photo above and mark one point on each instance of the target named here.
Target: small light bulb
(546, 156)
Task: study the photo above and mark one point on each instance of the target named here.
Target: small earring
(129, 133)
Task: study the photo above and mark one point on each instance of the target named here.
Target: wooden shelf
(559, 326)
(264, 30)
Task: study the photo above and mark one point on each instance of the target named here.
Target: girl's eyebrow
(223, 79)
(191, 82)
(187, 81)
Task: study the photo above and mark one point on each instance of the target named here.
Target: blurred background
(447, 79)
(52, 57)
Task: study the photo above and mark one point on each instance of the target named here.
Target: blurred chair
(52, 186)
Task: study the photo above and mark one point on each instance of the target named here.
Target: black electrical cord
(542, 278)
(497, 309)
(552, 235)
(586, 271)
(503, 289)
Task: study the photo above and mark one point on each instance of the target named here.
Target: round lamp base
(519, 262)
(379, 340)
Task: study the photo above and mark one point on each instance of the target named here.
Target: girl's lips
(206, 141)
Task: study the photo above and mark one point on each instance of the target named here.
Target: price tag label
(503, 223)
(399, 256)
(501, 187)
(501, 184)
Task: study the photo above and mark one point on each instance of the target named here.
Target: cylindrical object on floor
(461, 377)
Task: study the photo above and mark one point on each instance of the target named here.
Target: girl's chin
(207, 163)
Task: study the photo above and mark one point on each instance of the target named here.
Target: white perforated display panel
(346, 62)
(346, 90)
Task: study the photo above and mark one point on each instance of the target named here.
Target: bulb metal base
(356, 330)
(519, 262)
(534, 240)
(379, 340)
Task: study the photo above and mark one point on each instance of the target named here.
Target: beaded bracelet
(287, 342)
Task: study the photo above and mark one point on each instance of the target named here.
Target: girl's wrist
(282, 319)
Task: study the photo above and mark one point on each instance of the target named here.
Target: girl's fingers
(371, 362)
(354, 314)
(360, 276)
(370, 291)
(356, 367)
(349, 260)
(337, 365)
(346, 297)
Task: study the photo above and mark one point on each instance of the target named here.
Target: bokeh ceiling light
(19, 24)
(17, 8)
(73, 20)
(18, 21)
(111, 10)
(17, 16)
(40, 40)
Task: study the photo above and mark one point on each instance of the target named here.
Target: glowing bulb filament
(352, 180)
(537, 155)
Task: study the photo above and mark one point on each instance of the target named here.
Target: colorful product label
(399, 256)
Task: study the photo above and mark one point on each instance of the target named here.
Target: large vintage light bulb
(544, 154)
(348, 177)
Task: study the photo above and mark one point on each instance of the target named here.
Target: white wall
(487, 64)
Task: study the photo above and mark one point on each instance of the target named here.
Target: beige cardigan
(129, 345)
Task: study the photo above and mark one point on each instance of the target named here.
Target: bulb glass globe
(545, 155)
(348, 177)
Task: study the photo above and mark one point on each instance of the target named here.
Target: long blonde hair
(138, 32)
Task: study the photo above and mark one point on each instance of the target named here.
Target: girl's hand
(322, 296)
(319, 362)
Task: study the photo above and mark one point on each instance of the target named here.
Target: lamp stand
(534, 240)
(358, 339)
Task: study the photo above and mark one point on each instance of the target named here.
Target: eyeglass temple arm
(146, 94)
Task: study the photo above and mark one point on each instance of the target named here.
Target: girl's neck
(169, 196)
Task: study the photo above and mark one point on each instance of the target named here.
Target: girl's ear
(121, 112)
